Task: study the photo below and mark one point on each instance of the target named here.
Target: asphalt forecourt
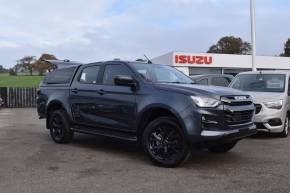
(31, 162)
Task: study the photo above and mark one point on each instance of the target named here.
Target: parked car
(153, 104)
(212, 79)
(270, 91)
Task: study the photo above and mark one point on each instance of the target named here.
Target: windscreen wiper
(176, 82)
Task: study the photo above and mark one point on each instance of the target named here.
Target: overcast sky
(93, 30)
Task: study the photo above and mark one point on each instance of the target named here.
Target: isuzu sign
(190, 59)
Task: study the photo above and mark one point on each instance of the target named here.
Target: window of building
(234, 72)
(89, 75)
(199, 70)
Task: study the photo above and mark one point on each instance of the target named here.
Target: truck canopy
(63, 63)
(60, 76)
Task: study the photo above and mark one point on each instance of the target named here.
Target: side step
(106, 132)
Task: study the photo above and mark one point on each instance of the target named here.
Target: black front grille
(238, 117)
(258, 108)
(260, 126)
(233, 100)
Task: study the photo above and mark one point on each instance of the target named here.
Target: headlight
(274, 104)
(202, 101)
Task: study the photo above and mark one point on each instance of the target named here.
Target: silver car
(270, 91)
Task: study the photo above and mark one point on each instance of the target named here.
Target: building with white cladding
(205, 63)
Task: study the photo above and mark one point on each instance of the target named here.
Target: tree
(41, 65)
(12, 72)
(27, 63)
(286, 49)
(2, 69)
(231, 45)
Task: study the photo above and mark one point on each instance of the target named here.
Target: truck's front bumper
(235, 134)
(221, 124)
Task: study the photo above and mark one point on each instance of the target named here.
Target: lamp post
(253, 34)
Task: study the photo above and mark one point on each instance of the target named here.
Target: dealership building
(205, 63)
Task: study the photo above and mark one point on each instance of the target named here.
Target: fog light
(275, 122)
(206, 120)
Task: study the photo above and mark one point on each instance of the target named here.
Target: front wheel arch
(64, 133)
(51, 107)
(154, 112)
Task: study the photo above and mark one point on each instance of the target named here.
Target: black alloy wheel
(59, 127)
(165, 143)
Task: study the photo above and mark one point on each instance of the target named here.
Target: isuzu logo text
(187, 59)
(240, 98)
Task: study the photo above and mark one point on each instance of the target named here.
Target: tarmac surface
(30, 162)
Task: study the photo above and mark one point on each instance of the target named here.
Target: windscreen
(260, 82)
(161, 73)
(59, 76)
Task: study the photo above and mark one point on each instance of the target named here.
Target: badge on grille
(240, 98)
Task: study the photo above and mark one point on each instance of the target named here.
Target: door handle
(101, 92)
(75, 90)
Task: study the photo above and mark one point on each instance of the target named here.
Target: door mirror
(123, 80)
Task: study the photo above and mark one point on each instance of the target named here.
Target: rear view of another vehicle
(212, 79)
(270, 92)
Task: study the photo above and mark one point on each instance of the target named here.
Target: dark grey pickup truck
(155, 105)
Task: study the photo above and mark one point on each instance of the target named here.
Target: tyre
(59, 127)
(164, 142)
(222, 148)
(285, 131)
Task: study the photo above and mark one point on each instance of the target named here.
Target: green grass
(20, 81)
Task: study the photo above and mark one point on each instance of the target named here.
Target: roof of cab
(267, 72)
(121, 61)
(63, 62)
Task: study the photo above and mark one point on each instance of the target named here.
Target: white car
(270, 91)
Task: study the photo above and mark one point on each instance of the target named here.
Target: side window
(220, 81)
(60, 76)
(202, 81)
(113, 70)
(89, 75)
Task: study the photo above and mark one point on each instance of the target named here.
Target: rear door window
(89, 75)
